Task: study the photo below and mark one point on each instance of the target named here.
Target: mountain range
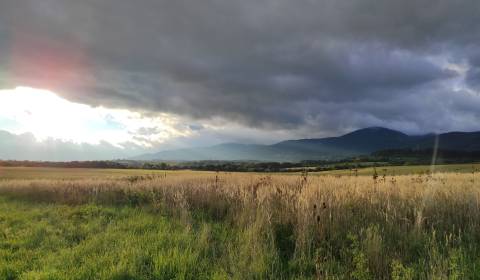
(359, 142)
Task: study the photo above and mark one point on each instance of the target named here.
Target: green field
(132, 224)
(48, 241)
(82, 173)
(408, 169)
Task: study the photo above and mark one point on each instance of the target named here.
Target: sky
(108, 79)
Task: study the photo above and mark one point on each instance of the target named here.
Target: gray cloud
(26, 147)
(323, 66)
(473, 73)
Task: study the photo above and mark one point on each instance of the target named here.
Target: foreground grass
(241, 226)
(44, 241)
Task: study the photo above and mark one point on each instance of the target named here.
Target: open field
(199, 225)
(77, 173)
(409, 169)
(94, 173)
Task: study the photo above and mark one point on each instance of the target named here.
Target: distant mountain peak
(376, 130)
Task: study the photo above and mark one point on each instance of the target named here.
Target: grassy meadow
(407, 170)
(78, 173)
(128, 224)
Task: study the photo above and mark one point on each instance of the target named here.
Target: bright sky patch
(46, 115)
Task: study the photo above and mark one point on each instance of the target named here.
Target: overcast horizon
(116, 78)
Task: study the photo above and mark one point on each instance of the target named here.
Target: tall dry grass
(364, 227)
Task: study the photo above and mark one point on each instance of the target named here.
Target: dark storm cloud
(473, 74)
(330, 65)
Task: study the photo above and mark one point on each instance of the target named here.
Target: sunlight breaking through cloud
(46, 115)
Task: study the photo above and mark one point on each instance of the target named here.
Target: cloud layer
(313, 68)
(26, 147)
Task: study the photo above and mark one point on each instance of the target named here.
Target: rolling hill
(359, 142)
